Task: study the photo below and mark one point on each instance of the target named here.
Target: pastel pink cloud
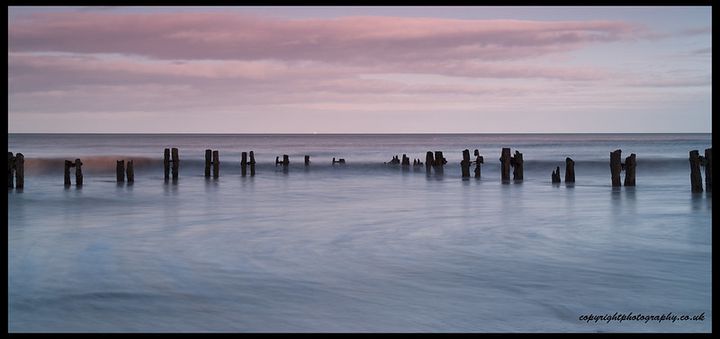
(346, 39)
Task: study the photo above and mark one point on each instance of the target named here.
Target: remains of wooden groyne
(433, 161)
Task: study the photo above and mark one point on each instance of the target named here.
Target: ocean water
(363, 247)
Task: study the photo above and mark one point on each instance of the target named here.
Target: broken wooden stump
(307, 160)
(556, 175)
(405, 160)
(16, 170)
(175, 163)
(630, 165)
(340, 161)
(252, 163)
(130, 172)
(465, 164)
(11, 170)
(120, 171)
(68, 164)
(505, 164)
(708, 169)
(19, 171)
(439, 159)
(569, 170)
(517, 163)
(243, 163)
(285, 162)
(395, 160)
(78, 173)
(216, 164)
(695, 177)
(166, 163)
(429, 161)
(208, 162)
(615, 167)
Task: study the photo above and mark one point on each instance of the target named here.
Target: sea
(363, 246)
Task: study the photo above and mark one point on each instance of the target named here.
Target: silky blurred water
(364, 247)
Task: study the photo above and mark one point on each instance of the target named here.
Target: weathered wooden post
(11, 169)
(465, 164)
(120, 171)
(68, 164)
(216, 164)
(175, 163)
(130, 172)
(478, 160)
(615, 167)
(286, 160)
(166, 163)
(243, 163)
(569, 170)
(208, 159)
(517, 163)
(429, 161)
(19, 170)
(695, 178)
(78, 173)
(708, 169)
(252, 163)
(630, 165)
(405, 160)
(307, 160)
(505, 164)
(556, 175)
(440, 159)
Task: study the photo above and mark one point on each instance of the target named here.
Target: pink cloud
(347, 39)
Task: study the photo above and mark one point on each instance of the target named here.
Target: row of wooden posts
(433, 161)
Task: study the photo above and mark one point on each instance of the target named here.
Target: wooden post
(615, 167)
(252, 163)
(175, 163)
(19, 171)
(286, 160)
(68, 164)
(11, 169)
(505, 164)
(405, 160)
(130, 172)
(569, 170)
(478, 160)
(208, 156)
(695, 178)
(277, 160)
(78, 173)
(556, 175)
(120, 171)
(517, 163)
(307, 160)
(440, 159)
(166, 163)
(429, 161)
(216, 164)
(630, 164)
(708, 169)
(465, 164)
(243, 163)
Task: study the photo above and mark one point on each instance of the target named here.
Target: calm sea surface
(360, 247)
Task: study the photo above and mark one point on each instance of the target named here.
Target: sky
(359, 69)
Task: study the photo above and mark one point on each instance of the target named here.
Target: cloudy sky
(359, 69)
